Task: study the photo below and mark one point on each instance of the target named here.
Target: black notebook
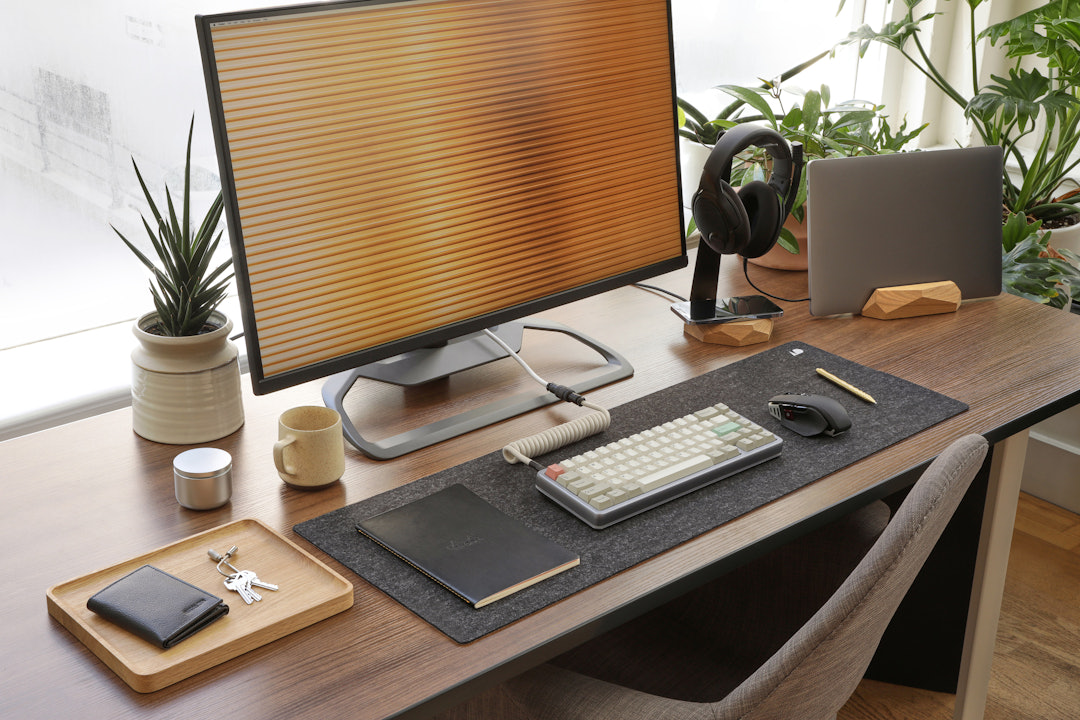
(467, 545)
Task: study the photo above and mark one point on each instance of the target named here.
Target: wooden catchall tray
(309, 591)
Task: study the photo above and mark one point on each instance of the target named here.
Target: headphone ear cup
(721, 218)
(762, 207)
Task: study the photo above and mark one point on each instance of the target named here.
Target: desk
(85, 496)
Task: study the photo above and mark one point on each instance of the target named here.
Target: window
(744, 43)
(84, 90)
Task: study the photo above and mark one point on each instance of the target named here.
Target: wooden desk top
(85, 496)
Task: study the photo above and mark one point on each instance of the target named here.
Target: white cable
(517, 357)
(522, 451)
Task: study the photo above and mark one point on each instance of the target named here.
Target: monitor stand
(427, 364)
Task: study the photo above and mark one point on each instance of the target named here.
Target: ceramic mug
(310, 451)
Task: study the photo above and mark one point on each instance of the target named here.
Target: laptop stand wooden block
(903, 301)
(735, 334)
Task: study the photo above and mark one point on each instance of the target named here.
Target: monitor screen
(400, 173)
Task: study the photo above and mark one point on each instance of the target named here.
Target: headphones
(746, 222)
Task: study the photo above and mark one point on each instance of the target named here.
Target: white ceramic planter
(1067, 238)
(692, 160)
(185, 390)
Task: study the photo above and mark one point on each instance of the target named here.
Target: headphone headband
(746, 221)
(740, 137)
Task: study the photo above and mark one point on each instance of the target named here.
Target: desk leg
(999, 516)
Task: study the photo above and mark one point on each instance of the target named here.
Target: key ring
(224, 560)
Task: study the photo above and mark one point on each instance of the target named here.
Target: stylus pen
(846, 385)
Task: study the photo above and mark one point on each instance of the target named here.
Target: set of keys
(242, 582)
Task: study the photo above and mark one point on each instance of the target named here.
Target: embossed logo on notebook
(467, 541)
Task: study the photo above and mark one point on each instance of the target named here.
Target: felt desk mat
(902, 409)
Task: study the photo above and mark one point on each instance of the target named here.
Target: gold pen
(846, 385)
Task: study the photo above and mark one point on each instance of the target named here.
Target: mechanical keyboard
(629, 476)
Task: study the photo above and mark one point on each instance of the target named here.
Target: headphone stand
(700, 316)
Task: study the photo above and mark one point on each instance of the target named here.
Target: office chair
(811, 675)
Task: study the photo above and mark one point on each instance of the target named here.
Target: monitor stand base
(428, 364)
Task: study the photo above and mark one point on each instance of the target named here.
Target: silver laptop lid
(885, 220)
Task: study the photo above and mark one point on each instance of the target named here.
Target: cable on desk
(656, 288)
(523, 450)
(746, 273)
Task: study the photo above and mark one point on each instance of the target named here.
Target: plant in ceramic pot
(186, 377)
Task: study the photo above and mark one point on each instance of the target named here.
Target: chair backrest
(817, 670)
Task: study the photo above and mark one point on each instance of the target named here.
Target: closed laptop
(901, 219)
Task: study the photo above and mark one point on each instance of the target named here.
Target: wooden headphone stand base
(734, 334)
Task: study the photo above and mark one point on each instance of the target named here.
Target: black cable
(746, 272)
(680, 298)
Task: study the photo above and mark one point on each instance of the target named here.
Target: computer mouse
(810, 415)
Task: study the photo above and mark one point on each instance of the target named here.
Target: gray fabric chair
(678, 661)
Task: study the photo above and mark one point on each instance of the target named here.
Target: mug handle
(279, 458)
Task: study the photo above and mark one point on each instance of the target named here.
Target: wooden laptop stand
(904, 301)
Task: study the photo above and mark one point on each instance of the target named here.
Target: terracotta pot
(185, 390)
(780, 259)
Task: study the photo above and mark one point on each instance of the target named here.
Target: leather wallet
(158, 607)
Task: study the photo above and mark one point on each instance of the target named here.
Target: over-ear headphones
(746, 222)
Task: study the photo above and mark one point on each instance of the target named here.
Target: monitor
(399, 175)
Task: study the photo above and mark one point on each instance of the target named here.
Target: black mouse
(810, 415)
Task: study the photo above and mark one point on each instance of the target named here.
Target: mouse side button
(810, 415)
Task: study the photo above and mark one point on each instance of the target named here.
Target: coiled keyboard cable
(523, 450)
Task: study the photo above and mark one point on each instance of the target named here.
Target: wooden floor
(1036, 670)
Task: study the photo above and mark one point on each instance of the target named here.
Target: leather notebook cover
(467, 545)
(158, 607)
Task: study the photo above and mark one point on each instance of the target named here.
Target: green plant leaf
(185, 291)
(787, 241)
(753, 98)
(811, 109)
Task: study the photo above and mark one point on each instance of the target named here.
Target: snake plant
(184, 287)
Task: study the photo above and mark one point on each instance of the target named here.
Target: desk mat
(903, 409)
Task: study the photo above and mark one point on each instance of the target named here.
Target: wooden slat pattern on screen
(402, 166)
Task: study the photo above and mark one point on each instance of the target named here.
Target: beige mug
(310, 451)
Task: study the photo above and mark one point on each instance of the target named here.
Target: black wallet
(158, 607)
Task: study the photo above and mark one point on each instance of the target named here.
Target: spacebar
(674, 472)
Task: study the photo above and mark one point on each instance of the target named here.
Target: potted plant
(1031, 268)
(186, 376)
(825, 130)
(698, 135)
(1009, 111)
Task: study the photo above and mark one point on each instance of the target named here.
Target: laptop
(901, 219)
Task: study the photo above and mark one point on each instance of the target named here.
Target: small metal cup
(202, 478)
